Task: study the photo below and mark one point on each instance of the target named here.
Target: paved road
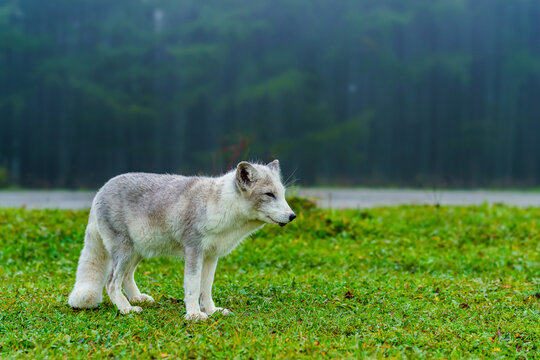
(336, 198)
(365, 198)
(47, 199)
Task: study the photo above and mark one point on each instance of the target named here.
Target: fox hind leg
(130, 287)
(122, 259)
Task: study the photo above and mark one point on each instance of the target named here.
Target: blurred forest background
(348, 92)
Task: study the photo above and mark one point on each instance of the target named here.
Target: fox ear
(274, 165)
(246, 174)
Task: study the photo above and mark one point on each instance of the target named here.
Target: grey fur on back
(153, 197)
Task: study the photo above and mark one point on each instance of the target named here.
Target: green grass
(411, 281)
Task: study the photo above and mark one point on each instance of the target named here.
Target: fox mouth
(276, 222)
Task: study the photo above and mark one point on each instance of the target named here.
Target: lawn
(405, 282)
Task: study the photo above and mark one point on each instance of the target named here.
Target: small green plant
(300, 204)
(4, 177)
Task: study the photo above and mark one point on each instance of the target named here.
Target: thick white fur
(94, 264)
(123, 229)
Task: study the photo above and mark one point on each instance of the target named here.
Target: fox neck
(231, 209)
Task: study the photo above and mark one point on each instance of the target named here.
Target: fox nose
(292, 217)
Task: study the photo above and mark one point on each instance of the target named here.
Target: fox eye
(271, 195)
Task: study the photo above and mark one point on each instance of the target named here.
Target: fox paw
(196, 316)
(127, 310)
(142, 298)
(219, 309)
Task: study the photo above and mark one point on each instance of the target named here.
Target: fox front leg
(192, 284)
(208, 271)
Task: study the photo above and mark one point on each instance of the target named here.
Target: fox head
(261, 187)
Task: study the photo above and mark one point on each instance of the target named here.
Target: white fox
(139, 215)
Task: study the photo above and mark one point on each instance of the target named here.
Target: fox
(142, 215)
